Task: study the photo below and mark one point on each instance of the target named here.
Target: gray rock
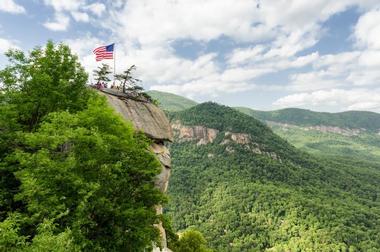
(144, 116)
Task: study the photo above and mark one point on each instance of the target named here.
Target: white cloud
(367, 30)
(78, 9)
(246, 55)
(61, 22)
(11, 7)
(6, 44)
(96, 8)
(341, 99)
(311, 81)
(80, 16)
(267, 40)
(64, 5)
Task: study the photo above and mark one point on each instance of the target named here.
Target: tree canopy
(74, 176)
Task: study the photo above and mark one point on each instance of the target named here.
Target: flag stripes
(104, 52)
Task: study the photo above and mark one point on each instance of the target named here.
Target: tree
(127, 79)
(192, 241)
(76, 177)
(45, 80)
(33, 85)
(102, 73)
(91, 173)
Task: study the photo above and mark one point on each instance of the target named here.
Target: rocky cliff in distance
(202, 135)
(152, 121)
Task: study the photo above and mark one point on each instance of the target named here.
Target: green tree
(192, 241)
(74, 176)
(46, 80)
(101, 74)
(128, 81)
(90, 174)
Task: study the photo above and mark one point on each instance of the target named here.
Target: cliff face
(203, 135)
(145, 116)
(152, 121)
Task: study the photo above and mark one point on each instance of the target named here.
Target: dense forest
(244, 201)
(74, 175)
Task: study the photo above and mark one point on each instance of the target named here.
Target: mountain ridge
(249, 201)
(352, 119)
(171, 102)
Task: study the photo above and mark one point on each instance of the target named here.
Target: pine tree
(101, 74)
(128, 81)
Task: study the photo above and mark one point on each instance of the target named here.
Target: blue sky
(264, 54)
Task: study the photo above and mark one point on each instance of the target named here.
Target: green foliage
(10, 239)
(243, 201)
(101, 74)
(128, 81)
(192, 241)
(91, 173)
(45, 80)
(171, 102)
(74, 176)
(302, 117)
(364, 146)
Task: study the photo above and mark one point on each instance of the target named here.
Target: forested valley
(245, 201)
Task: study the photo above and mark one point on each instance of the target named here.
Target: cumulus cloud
(79, 10)
(367, 30)
(60, 23)
(96, 8)
(340, 99)
(66, 5)
(6, 44)
(80, 16)
(11, 6)
(266, 38)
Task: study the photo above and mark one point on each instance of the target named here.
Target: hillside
(247, 189)
(369, 121)
(349, 134)
(171, 102)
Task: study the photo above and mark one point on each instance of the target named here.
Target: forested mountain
(348, 134)
(247, 189)
(171, 102)
(369, 121)
(351, 134)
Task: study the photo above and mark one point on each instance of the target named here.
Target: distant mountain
(347, 134)
(171, 102)
(247, 189)
(369, 121)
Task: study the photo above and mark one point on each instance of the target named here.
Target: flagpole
(114, 65)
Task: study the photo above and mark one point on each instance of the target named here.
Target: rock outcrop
(203, 135)
(189, 133)
(152, 121)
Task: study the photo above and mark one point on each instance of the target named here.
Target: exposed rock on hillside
(189, 133)
(203, 135)
(151, 120)
(321, 128)
(239, 138)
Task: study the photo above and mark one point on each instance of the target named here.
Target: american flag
(104, 52)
